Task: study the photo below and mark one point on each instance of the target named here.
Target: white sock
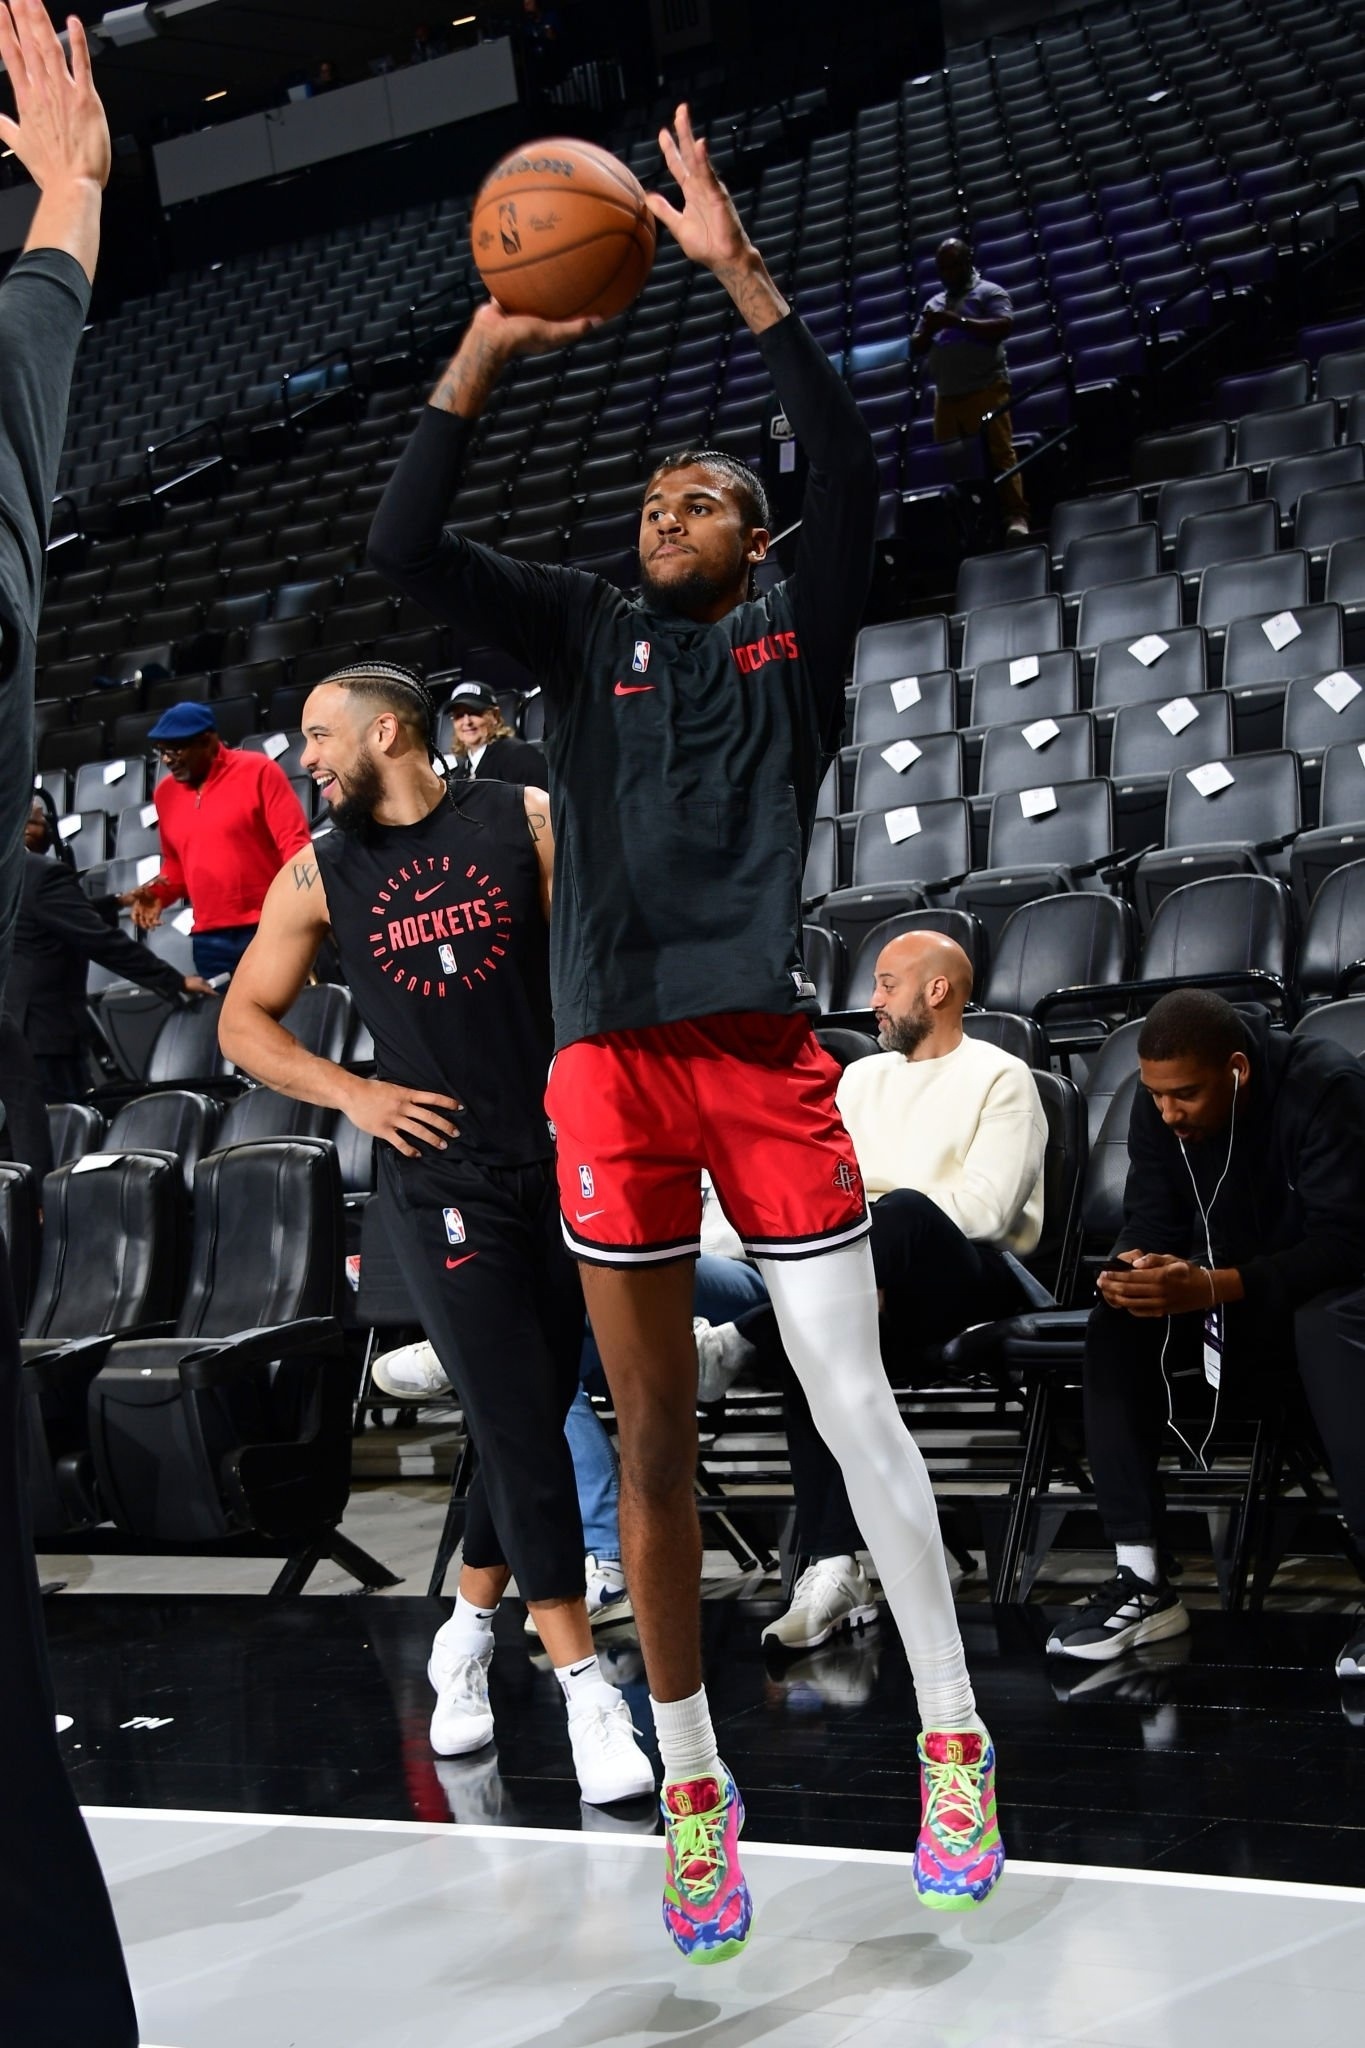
(687, 1741)
(1139, 1558)
(469, 1631)
(584, 1681)
(826, 1308)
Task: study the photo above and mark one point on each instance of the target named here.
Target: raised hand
(706, 227)
(709, 230)
(491, 340)
(61, 135)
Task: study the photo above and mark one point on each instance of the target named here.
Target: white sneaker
(608, 1600)
(831, 1594)
(606, 1753)
(412, 1373)
(463, 1719)
(721, 1355)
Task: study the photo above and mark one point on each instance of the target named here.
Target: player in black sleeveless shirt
(437, 899)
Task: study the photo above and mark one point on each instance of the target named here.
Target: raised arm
(834, 553)
(61, 136)
(269, 978)
(528, 610)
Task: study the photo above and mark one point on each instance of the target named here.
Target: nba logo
(448, 959)
(641, 660)
(454, 1222)
(585, 1182)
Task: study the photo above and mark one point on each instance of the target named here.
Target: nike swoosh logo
(452, 1263)
(632, 689)
(580, 1217)
(422, 894)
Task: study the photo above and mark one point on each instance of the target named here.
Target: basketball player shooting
(687, 730)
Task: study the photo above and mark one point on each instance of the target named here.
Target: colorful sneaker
(707, 1908)
(959, 1855)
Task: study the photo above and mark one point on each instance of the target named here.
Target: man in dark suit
(58, 934)
(485, 745)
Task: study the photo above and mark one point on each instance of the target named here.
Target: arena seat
(1025, 688)
(1339, 837)
(879, 717)
(1330, 963)
(111, 1263)
(177, 1121)
(1037, 851)
(1238, 828)
(21, 1227)
(936, 771)
(236, 1430)
(1342, 1022)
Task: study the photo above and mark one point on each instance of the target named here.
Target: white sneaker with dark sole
(1122, 1613)
(462, 1720)
(411, 1373)
(607, 1757)
(831, 1594)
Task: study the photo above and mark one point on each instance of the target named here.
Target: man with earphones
(1241, 1260)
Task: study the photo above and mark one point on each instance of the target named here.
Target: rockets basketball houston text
(434, 926)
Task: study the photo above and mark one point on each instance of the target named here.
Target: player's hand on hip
(409, 1119)
(61, 136)
(706, 227)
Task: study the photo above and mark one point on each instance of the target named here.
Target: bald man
(950, 1135)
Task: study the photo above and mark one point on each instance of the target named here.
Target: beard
(361, 791)
(906, 1034)
(696, 591)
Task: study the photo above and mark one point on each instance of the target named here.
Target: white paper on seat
(184, 921)
(1209, 779)
(1040, 732)
(1036, 803)
(147, 816)
(1337, 690)
(1149, 648)
(1024, 669)
(93, 1161)
(902, 824)
(69, 824)
(1176, 715)
(901, 754)
(148, 868)
(906, 692)
(114, 771)
(275, 744)
(1280, 630)
(1360, 749)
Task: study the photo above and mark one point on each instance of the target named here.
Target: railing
(198, 430)
(320, 380)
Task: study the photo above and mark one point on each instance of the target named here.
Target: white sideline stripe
(1095, 1873)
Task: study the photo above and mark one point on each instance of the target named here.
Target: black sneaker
(1121, 1614)
(1351, 1662)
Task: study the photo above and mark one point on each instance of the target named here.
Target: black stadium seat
(906, 647)
(904, 709)
(1222, 817)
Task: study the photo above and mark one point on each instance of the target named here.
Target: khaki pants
(957, 419)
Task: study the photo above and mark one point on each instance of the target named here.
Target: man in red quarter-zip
(228, 822)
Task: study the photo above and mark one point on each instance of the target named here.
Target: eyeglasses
(173, 753)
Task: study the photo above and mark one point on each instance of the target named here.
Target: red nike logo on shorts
(632, 689)
(452, 1263)
(421, 895)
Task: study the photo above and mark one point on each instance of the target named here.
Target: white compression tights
(826, 1310)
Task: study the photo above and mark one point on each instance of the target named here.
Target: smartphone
(1116, 1266)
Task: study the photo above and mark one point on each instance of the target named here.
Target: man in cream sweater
(950, 1136)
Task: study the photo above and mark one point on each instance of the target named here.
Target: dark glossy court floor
(1233, 1751)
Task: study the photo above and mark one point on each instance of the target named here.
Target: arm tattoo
(467, 380)
(305, 873)
(537, 822)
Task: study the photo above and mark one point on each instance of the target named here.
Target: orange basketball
(560, 229)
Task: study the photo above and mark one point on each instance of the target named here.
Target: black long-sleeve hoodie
(1290, 1214)
(685, 759)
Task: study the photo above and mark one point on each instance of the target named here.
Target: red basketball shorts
(750, 1097)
